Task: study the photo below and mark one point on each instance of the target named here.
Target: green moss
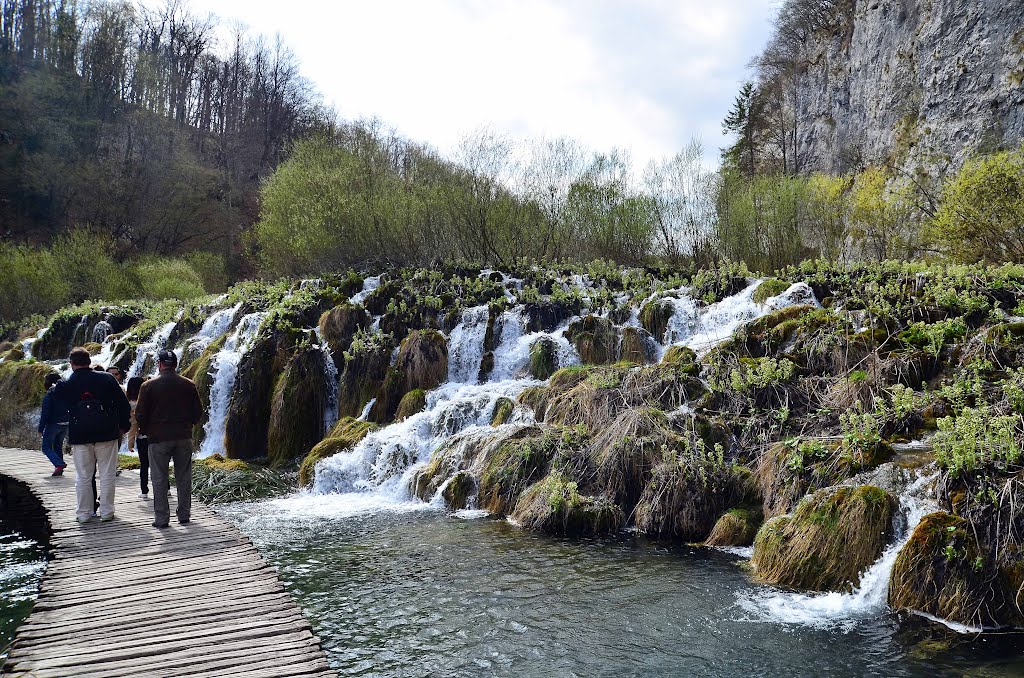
(297, 408)
(535, 397)
(503, 409)
(682, 357)
(654, 317)
(543, 358)
(635, 346)
(458, 491)
(769, 288)
(345, 435)
(595, 340)
(736, 527)
(22, 383)
(412, 403)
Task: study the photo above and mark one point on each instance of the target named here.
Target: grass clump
(736, 527)
(828, 541)
(216, 480)
(555, 506)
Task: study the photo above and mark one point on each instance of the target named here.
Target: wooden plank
(125, 599)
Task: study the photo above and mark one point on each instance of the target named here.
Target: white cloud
(645, 75)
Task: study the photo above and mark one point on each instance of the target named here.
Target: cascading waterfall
(213, 327)
(331, 381)
(225, 368)
(385, 460)
(383, 464)
(512, 356)
(369, 285)
(843, 610)
(101, 331)
(703, 328)
(466, 345)
(150, 349)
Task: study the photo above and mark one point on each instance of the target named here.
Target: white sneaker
(143, 495)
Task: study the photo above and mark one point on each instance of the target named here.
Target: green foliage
(211, 269)
(759, 373)
(169, 279)
(976, 439)
(981, 214)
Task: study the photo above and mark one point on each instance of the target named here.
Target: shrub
(977, 438)
(162, 278)
(981, 215)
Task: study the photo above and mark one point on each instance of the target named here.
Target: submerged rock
(459, 491)
(828, 541)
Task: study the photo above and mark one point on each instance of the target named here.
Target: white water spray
(225, 369)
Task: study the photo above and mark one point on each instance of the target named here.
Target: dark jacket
(168, 408)
(54, 411)
(84, 383)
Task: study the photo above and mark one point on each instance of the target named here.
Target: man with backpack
(168, 408)
(99, 414)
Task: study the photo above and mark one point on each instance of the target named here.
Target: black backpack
(90, 419)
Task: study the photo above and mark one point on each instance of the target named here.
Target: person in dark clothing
(99, 414)
(138, 442)
(168, 408)
(53, 426)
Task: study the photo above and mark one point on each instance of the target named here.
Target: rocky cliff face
(915, 83)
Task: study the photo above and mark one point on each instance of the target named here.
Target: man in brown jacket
(168, 408)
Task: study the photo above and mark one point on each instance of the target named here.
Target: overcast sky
(641, 75)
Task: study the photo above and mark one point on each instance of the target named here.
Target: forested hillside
(140, 125)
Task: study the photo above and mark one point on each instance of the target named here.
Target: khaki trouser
(160, 456)
(99, 459)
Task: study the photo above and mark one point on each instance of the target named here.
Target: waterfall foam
(466, 345)
(369, 285)
(150, 349)
(843, 611)
(331, 381)
(225, 369)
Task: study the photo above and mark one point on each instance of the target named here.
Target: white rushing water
(843, 611)
(331, 382)
(213, 327)
(466, 345)
(225, 369)
(150, 349)
(703, 327)
(369, 285)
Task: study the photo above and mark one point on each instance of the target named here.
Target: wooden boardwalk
(126, 599)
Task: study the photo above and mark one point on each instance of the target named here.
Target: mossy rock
(736, 527)
(249, 410)
(831, 538)
(547, 314)
(23, 383)
(682, 357)
(543, 358)
(344, 435)
(595, 340)
(297, 409)
(339, 325)
(6, 346)
(555, 506)
(654, 317)
(637, 346)
(944, 571)
(769, 288)
(503, 409)
(535, 398)
(366, 365)
(12, 353)
(93, 348)
(511, 467)
(218, 462)
(458, 491)
(412, 403)
(422, 363)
